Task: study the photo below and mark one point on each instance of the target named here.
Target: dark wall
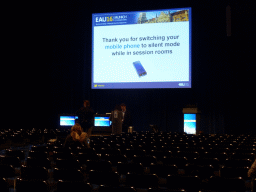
(222, 73)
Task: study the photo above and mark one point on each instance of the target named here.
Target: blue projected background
(190, 123)
(67, 120)
(101, 121)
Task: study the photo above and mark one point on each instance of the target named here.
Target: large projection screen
(142, 49)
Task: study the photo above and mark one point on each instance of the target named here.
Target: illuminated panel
(101, 121)
(190, 123)
(67, 120)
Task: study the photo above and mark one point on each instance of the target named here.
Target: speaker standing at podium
(116, 118)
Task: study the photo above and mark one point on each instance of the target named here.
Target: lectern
(191, 120)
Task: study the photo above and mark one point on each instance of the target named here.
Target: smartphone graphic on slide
(139, 68)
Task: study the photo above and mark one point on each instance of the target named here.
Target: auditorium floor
(26, 146)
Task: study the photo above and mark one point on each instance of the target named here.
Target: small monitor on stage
(67, 120)
(102, 121)
(102, 124)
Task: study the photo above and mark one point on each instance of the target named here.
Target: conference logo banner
(111, 19)
(162, 16)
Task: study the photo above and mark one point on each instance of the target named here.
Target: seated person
(77, 138)
(252, 170)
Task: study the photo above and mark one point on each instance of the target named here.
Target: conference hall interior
(52, 77)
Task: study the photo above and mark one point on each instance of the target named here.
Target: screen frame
(143, 85)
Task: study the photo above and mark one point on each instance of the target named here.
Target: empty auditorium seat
(124, 168)
(104, 178)
(62, 155)
(67, 164)
(76, 186)
(226, 184)
(243, 156)
(34, 173)
(7, 171)
(142, 180)
(110, 151)
(91, 156)
(233, 172)
(31, 186)
(144, 160)
(166, 190)
(188, 154)
(4, 185)
(201, 161)
(114, 159)
(163, 171)
(237, 163)
(179, 161)
(160, 154)
(38, 154)
(103, 188)
(10, 160)
(131, 152)
(68, 174)
(189, 183)
(203, 172)
(253, 185)
(38, 162)
(39, 148)
(15, 153)
(98, 166)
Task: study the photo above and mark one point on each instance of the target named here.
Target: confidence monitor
(142, 49)
(67, 120)
(102, 123)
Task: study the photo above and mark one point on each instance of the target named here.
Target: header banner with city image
(167, 15)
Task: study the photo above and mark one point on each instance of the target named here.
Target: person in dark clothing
(77, 138)
(85, 116)
(126, 118)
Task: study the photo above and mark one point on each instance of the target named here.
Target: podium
(191, 120)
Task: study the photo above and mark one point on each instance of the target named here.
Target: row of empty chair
(132, 162)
